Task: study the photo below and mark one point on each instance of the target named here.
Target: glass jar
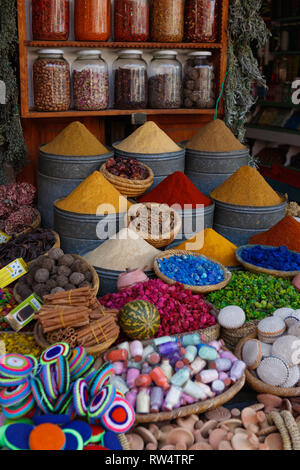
(130, 80)
(131, 20)
(167, 20)
(92, 20)
(165, 81)
(50, 20)
(51, 81)
(198, 82)
(200, 21)
(90, 81)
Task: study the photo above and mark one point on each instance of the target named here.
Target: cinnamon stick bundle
(102, 330)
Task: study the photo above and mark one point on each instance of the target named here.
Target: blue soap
(16, 436)
(111, 441)
(82, 427)
(60, 420)
(74, 440)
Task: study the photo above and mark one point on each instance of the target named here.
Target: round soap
(252, 353)
(292, 319)
(102, 401)
(119, 417)
(270, 328)
(102, 378)
(21, 409)
(47, 377)
(82, 427)
(231, 317)
(62, 374)
(283, 312)
(60, 420)
(51, 354)
(47, 436)
(74, 440)
(288, 348)
(208, 353)
(294, 376)
(273, 371)
(294, 330)
(14, 395)
(16, 436)
(77, 358)
(15, 365)
(265, 349)
(40, 396)
(80, 397)
(111, 441)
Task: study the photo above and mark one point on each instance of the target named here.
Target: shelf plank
(115, 112)
(273, 134)
(127, 45)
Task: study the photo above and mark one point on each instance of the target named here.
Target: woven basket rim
(199, 289)
(259, 269)
(127, 183)
(258, 384)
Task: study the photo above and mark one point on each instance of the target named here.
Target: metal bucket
(162, 164)
(109, 279)
(239, 223)
(80, 232)
(59, 174)
(206, 182)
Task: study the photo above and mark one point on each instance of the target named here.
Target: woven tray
(127, 187)
(95, 280)
(256, 383)
(258, 269)
(158, 242)
(231, 337)
(196, 289)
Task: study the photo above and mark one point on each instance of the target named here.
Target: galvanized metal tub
(206, 182)
(58, 175)
(162, 164)
(240, 223)
(80, 232)
(109, 279)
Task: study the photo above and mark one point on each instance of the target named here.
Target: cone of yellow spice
(210, 243)
(94, 196)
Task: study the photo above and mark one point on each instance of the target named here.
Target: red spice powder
(285, 233)
(176, 189)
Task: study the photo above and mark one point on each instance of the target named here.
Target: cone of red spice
(285, 233)
(176, 189)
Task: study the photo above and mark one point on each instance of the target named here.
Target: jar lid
(199, 53)
(164, 53)
(88, 52)
(50, 51)
(130, 51)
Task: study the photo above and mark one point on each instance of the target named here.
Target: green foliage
(12, 147)
(246, 28)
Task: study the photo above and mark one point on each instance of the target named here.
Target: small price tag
(4, 238)
(12, 272)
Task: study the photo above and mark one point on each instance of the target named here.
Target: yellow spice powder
(148, 138)
(95, 195)
(215, 137)
(210, 243)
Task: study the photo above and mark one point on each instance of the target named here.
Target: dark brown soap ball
(84, 284)
(54, 270)
(50, 284)
(55, 253)
(56, 290)
(79, 266)
(69, 286)
(24, 291)
(66, 260)
(28, 279)
(62, 281)
(42, 275)
(76, 278)
(88, 276)
(33, 270)
(41, 290)
(47, 263)
(64, 271)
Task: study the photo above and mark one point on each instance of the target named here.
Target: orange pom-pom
(47, 436)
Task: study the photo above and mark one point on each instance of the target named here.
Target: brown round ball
(76, 278)
(28, 279)
(56, 290)
(84, 284)
(55, 253)
(66, 260)
(50, 284)
(41, 290)
(47, 263)
(79, 266)
(23, 290)
(42, 275)
(64, 270)
(69, 286)
(88, 276)
(61, 281)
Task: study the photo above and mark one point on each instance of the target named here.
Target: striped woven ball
(270, 328)
(273, 371)
(120, 417)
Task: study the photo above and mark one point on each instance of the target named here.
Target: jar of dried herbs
(50, 20)
(198, 82)
(130, 80)
(200, 21)
(90, 81)
(51, 81)
(165, 81)
(167, 20)
(131, 20)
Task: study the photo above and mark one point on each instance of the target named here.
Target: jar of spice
(167, 20)
(200, 21)
(198, 82)
(90, 81)
(165, 80)
(131, 20)
(130, 80)
(51, 81)
(92, 20)
(50, 20)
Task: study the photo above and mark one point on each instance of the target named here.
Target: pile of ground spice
(246, 187)
(215, 137)
(285, 233)
(148, 138)
(210, 243)
(176, 189)
(75, 140)
(95, 195)
(126, 250)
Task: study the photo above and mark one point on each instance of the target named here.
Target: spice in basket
(285, 233)
(246, 187)
(128, 168)
(95, 195)
(148, 139)
(16, 207)
(75, 140)
(126, 250)
(152, 221)
(210, 243)
(278, 259)
(215, 137)
(20, 343)
(176, 189)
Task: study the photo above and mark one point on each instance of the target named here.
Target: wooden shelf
(127, 45)
(116, 112)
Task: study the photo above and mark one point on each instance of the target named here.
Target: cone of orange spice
(285, 233)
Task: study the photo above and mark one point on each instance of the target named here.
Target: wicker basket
(231, 337)
(258, 269)
(127, 187)
(196, 289)
(161, 241)
(256, 383)
(95, 280)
